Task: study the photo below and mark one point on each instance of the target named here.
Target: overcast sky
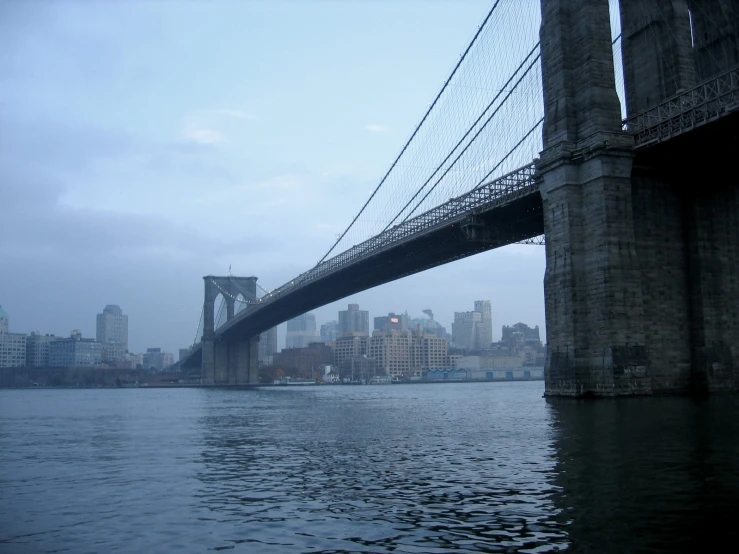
(146, 144)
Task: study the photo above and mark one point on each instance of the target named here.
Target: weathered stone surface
(712, 223)
(592, 284)
(641, 287)
(662, 254)
(657, 51)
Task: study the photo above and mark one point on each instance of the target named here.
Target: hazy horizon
(145, 145)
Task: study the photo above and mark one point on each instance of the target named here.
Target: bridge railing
(505, 189)
(703, 103)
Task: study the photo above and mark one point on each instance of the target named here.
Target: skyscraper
(353, 322)
(112, 326)
(330, 331)
(485, 329)
(301, 331)
(473, 330)
(464, 329)
(267, 346)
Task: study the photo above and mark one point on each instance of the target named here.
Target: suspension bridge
(601, 128)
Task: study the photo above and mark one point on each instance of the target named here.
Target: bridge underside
(516, 221)
(466, 236)
(520, 219)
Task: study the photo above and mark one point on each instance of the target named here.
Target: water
(419, 468)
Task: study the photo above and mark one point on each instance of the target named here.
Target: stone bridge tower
(233, 362)
(641, 291)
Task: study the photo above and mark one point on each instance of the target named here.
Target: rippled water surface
(484, 467)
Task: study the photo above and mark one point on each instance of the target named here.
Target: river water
(483, 467)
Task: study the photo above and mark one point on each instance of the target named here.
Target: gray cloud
(34, 143)
(102, 201)
(62, 264)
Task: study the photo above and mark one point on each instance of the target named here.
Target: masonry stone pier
(228, 362)
(642, 246)
(641, 217)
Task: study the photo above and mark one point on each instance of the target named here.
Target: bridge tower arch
(232, 362)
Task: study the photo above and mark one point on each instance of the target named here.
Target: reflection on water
(436, 468)
(648, 474)
(419, 469)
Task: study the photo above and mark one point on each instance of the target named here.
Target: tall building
(391, 322)
(301, 331)
(353, 322)
(464, 329)
(75, 351)
(329, 331)
(485, 329)
(12, 345)
(473, 330)
(112, 326)
(267, 346)
(37, 349)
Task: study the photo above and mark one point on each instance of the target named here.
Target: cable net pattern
(482, 125)
(476, 142)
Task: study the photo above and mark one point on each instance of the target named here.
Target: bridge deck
(504, 211)
(461, 227)
(704, 103)
(498, 213)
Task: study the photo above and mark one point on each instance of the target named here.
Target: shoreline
(268, 385)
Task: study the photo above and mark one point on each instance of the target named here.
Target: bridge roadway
(501, 212)
(504, 211)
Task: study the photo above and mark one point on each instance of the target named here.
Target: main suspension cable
(415, 132)
(474, 124)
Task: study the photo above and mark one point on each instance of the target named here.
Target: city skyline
(484, 336)
(528, 200)
(281, 329)
(107, 348)
(134, 197)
